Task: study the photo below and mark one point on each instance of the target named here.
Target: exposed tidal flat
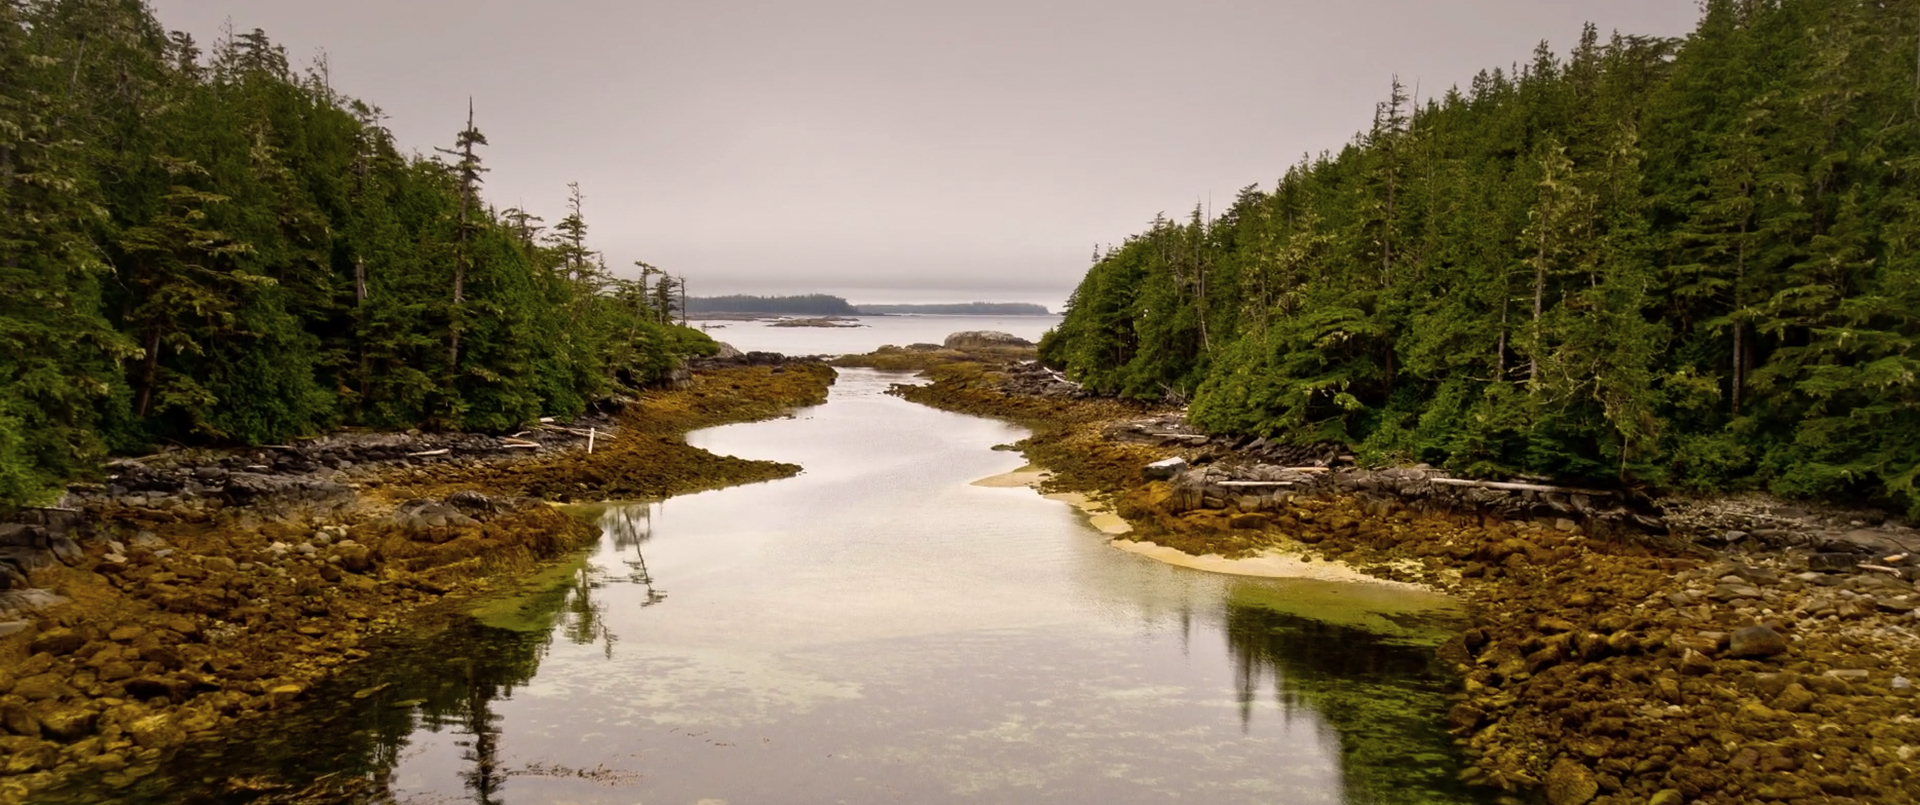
(1725, 650)
(876, 628)
(180, 616)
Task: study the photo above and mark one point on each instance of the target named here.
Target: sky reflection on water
(880, 630)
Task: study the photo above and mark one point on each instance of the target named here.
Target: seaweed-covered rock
(57, 642)
(1570, 783)
(976, 339)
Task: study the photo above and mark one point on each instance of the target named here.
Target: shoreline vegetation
(189, 611)
(214, 248)
(1604, 664)
(1680, 265)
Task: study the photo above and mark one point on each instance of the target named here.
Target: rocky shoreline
(1624, 650)
(195, 589)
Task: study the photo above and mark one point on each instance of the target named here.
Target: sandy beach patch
(1268, 564)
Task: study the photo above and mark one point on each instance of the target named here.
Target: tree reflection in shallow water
(1379, 693)
(432, 706)
(581, 619)
(344, 741)
(630, 527)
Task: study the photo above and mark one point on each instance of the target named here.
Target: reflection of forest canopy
(429, 680)
(448, 680)
(1382, 697)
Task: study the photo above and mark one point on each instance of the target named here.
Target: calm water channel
(878, 630)
(868, 332)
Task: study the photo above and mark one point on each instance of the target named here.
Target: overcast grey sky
(895, 150)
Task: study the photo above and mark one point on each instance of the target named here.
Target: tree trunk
(1500, 352)
(1539, 307)
(1739, 327)
(1739, 362)
(1200, 272)
(150, 373)
(360, 281)
(6, 186)
(1386, 231)
(460, 260)
(459, 294)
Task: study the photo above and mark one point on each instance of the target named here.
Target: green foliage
(213, 248)
(1686, 263)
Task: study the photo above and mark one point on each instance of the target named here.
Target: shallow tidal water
(868, 333)
(875, 630)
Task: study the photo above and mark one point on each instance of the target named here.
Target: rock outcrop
(984, 339)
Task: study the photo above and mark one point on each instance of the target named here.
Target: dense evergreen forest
(215, 247)
(1679, 264)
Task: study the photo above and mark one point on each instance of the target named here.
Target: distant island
(961, 309)
(827, 305)
(814, 304)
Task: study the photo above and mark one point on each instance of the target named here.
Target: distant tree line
(218, 248)
(962, 309)
(806, 305)
(1688, 264)
(826, 305)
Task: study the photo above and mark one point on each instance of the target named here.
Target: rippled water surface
(880, 630)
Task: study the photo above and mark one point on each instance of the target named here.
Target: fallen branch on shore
(430, 453)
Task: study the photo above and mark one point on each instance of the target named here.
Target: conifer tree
(467, 171)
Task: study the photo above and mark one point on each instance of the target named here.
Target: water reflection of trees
(345, 741)
(1382, 697)
(630, 527)
(581, 616)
